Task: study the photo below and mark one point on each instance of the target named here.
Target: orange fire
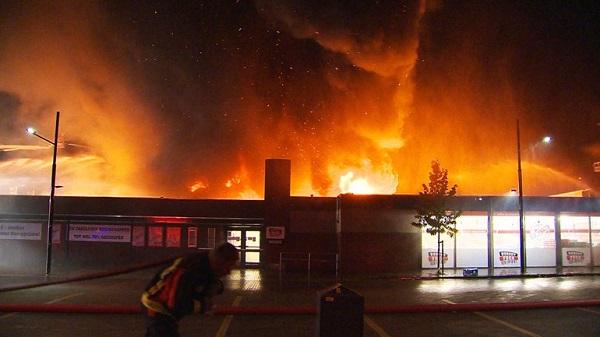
(351, 184)
(372, 132)
(198, 186)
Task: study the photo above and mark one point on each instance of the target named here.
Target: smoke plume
(187, 100)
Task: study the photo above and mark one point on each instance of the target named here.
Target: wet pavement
(256, 289)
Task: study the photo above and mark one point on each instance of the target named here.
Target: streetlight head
(547, 139)
(31, 131)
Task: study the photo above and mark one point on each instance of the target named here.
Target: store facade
(559, 232)
(551, 240)
(349, 233)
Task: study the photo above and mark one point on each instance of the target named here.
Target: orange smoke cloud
(358, 106)
(52, 60)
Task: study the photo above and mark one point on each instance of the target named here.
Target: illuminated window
(138, 236)
(472, 241)
(252, 246)
(596, 239)
(173, 236)
(155, 236)
(429, 250)
(252, 257)
(252, 239)
(235, 238)
(540, 241)
(575, 240)
(506, 241)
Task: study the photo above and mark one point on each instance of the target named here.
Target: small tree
(432, 212)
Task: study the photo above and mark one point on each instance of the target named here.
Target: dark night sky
(172, 94)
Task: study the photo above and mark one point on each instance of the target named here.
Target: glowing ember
(198, 186)
(233, 181)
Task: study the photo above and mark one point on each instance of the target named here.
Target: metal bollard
(340, 313)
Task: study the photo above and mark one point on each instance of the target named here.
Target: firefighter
(184, 287)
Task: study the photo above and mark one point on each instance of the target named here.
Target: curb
(459, 277)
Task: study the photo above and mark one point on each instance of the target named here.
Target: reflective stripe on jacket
(180, 288)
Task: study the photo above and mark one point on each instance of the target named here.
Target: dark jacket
(182, 288)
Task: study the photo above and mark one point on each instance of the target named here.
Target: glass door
(248, 243)
(235, 238)
(252, 247)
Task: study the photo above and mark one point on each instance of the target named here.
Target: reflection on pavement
(245, 279)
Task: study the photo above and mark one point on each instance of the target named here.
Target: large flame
(354, 104)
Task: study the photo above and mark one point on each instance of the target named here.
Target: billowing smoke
(188, 100)
(369, 52)
(484, 65)
(58, 56)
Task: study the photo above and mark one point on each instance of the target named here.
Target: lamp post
(54, 143)
(521, 212)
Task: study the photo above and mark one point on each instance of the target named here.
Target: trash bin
(340, 313)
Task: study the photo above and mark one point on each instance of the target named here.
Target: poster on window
(138, 238)
(429, 250)
(192, 237)
(507, 257)
(155, 236)
(56, 231)
(173, 236)
(576, 256)
(506, 241)
(23, 231)
(430, 257)
(100, 233)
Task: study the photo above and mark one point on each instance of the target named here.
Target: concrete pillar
(277, 209)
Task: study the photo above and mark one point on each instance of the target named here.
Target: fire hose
(302, 310)
(90, 276)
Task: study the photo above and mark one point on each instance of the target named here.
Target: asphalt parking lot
(255, 289)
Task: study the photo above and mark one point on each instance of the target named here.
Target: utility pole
(521, 212)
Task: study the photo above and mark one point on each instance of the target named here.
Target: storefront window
(506, 241)
(596, 239)
(173, 237)
(540, 241)
(472, 241)
(575, 237)
(429, 250)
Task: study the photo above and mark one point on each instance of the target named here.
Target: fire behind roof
(187, 100)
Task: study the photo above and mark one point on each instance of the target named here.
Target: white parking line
(499, 321)
(589, 310)
(8, 315)
(63, 298)
(379, 330)
(49, 302)
(225, 325)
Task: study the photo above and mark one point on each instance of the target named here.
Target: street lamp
(522, 232)
(521, 213)
(54, 143)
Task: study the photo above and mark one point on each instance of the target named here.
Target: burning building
(187, 100)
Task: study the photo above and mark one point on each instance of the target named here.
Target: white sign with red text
(275, 233)
(576, 257)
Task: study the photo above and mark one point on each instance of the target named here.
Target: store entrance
(248, 242)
